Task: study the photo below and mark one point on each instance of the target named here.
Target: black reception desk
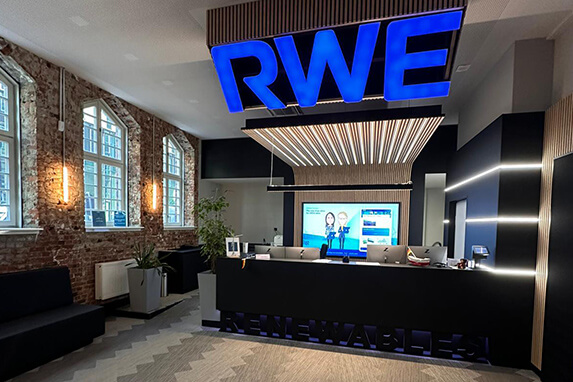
(386, 304)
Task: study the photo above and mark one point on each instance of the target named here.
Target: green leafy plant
(145, 257)
(212, 228)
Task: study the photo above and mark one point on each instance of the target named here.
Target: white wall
(434, 216)
(492, 98)
(253, 211)
(521, 81)
(563, 63)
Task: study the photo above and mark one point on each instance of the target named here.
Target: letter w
(327, 51)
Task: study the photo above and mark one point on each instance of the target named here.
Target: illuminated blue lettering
(327, 51)
(222, 56)
(397, 61)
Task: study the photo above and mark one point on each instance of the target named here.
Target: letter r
(222, 56)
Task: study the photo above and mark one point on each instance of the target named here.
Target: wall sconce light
(66, 185)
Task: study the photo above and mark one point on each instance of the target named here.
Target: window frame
(12, 137)
(101, 160)
(169, 176)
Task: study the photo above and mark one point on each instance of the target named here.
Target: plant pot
(210, 316)
(144, 297)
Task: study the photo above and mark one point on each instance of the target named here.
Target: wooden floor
(174, 347)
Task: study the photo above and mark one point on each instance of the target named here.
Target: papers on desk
(367, 263)
(262, 256)
(321, 261)
(327, 261)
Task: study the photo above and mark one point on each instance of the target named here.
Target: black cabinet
(187, 262)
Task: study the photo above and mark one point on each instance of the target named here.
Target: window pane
(173, 158)
(5, 194)
(4, 122)
(111, 141)
(90, 189)
(3, 90)
(90, 134)
(4, 106)
(90, 111)
(112, 190)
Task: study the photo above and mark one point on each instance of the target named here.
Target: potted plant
(145, 278)
(212, 233)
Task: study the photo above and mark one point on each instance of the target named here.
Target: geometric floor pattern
(173, 347)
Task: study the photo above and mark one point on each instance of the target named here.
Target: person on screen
(329, 231)
(342, 228)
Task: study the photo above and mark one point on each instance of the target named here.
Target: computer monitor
(386, 253)
(307, 253)
(436, 254)
(275, 252)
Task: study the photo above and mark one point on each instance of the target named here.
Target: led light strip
(529, 166)
(273, 145)
(395, 126)
(508, 219)
(508, 271)
(361, 138)
(314, 132)
(303, 132)
(382, 135)
(327, 134)
(285, 146)
(349, 132)
(336, 130)
(295, 135)
(294, 146)
(406, 135)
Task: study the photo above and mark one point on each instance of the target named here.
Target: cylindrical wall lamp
(66, 185)
(154, 195)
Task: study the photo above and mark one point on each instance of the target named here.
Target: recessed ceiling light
(193, 101)
(130, 57)
(167, 83)
(463, 68)
(79, 21)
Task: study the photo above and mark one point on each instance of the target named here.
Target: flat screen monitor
(307, 253)
(436, 254)
(348, 228)
(391, 254)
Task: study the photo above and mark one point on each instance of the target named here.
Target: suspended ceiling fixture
(390, 136)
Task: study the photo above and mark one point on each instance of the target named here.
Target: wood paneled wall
(267, 18)
(362, 174)
(557, 141)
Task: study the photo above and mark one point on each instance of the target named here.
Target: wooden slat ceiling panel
(267, 18)
(358, 143)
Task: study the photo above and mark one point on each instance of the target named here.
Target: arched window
(105, 178)
(172, 182)
(9, 153)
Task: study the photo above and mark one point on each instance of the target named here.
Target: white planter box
(208, 298)
(144, 289)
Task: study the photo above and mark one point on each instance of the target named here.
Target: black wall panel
(558, 332)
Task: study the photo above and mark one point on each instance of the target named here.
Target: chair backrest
(29, 292)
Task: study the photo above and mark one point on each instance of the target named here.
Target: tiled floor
(174, 347)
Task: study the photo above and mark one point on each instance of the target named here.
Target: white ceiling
(153, 53)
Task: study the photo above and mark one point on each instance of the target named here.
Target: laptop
(386, 253)
(307, 253)
(275, 252)
(436, 254)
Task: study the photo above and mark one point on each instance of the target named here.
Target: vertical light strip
(420, 129)
(303, 132)
(295, 135)
(349, 133)
(371, 125)
(154, 196)
(326, 133)
(361, 138)
(273, 145)
(66, 184)
(314, 132)
(294, 146)
(404, 138)
(337, 130)
(271, 133)
(382, 135)
(396, 126)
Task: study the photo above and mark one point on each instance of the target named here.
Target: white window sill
(113, 229)
(178, 228)
(20, 231)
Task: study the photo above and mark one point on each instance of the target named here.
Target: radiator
(111, 279)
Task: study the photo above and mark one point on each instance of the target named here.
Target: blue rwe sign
(326, 51)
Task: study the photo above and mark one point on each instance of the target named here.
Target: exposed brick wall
(64, 240)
